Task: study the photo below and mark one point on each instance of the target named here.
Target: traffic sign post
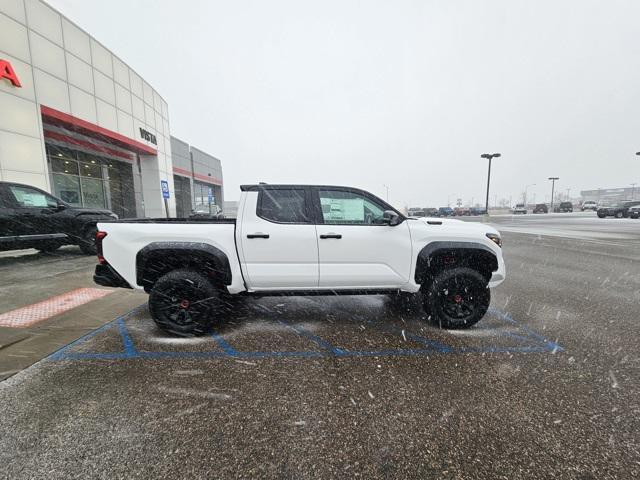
(164, 186)
(210, 198)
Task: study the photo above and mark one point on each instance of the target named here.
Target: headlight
(495, 238)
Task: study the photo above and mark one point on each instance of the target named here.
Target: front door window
(341, 207)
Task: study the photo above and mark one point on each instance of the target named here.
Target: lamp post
(525, 193)
(387, 187)
(489, 156)
(633, 191)
(553, 186)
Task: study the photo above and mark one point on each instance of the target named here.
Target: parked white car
(519, 208)
(298, 239)
(589, 205)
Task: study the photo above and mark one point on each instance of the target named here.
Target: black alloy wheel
(457, 298)
(184, 302)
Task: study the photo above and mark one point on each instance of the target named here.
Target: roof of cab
(259, 186)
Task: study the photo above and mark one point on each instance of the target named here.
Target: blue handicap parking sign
(164, 185)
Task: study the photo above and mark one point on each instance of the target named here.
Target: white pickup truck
(302, 240)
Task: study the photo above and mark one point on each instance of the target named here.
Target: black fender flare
(203, 252)
(423, 261)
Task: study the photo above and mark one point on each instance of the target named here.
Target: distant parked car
(541, 208)
(204, 211)
(589, 205)
(634, 212)
(416, 212)
(445, 212)
(618, 210)
(461, 212)
(431, 212)
(519, 208)
(478, 211)
(563, 207)
(32, 218)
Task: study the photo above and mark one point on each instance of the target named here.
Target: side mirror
(61, 206)
(390, 218)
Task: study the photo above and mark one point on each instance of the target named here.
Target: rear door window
(286, 205)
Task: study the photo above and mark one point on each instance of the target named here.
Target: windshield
(216, 259)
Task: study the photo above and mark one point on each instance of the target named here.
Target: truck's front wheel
(457, 298)
(183, 303)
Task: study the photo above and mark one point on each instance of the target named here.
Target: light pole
(525, 192)
(385, 186)
(633, 191)
(553, 186)
(568, 194)
(489, 156)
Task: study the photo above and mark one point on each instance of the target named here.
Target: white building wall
(62, 67)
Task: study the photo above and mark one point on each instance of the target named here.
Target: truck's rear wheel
(183, 303)
(457, 298)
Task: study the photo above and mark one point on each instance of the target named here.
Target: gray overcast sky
(403, 93)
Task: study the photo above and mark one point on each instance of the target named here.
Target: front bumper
(106, 276)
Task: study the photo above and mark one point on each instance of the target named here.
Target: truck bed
(175, 220)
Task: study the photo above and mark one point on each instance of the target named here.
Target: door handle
(258, 235)
(331, 235)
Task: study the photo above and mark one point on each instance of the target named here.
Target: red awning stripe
(83, 143)
(89, 129)
(198, 176)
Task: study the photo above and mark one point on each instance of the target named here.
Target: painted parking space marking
(37, 312)
(520, 337)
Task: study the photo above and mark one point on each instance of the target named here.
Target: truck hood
(469, 231)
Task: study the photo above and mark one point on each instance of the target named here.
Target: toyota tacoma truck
(301, 240)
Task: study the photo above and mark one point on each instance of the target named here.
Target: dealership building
(609, 196)
(79, 123)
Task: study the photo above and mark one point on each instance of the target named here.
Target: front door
(278, 235)
(36, 214)
(356, 249)
(9, 227)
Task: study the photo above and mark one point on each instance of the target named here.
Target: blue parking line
(62, 352)
(127, 343)
(228, 349)
(540, 344)
(314, 338)
(553, 346)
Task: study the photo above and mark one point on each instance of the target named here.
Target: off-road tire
(184, 303)
(88, 240)
(457, 298)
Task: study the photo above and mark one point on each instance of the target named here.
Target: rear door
(278, 239)
(356, 249)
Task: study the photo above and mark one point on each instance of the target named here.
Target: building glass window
(88, 180)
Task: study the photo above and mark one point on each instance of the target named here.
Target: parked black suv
(32, 218)
(564, 207)
(541, 208)
(445, 212)
(618, 210)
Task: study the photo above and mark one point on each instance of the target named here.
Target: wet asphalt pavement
(546, 386)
